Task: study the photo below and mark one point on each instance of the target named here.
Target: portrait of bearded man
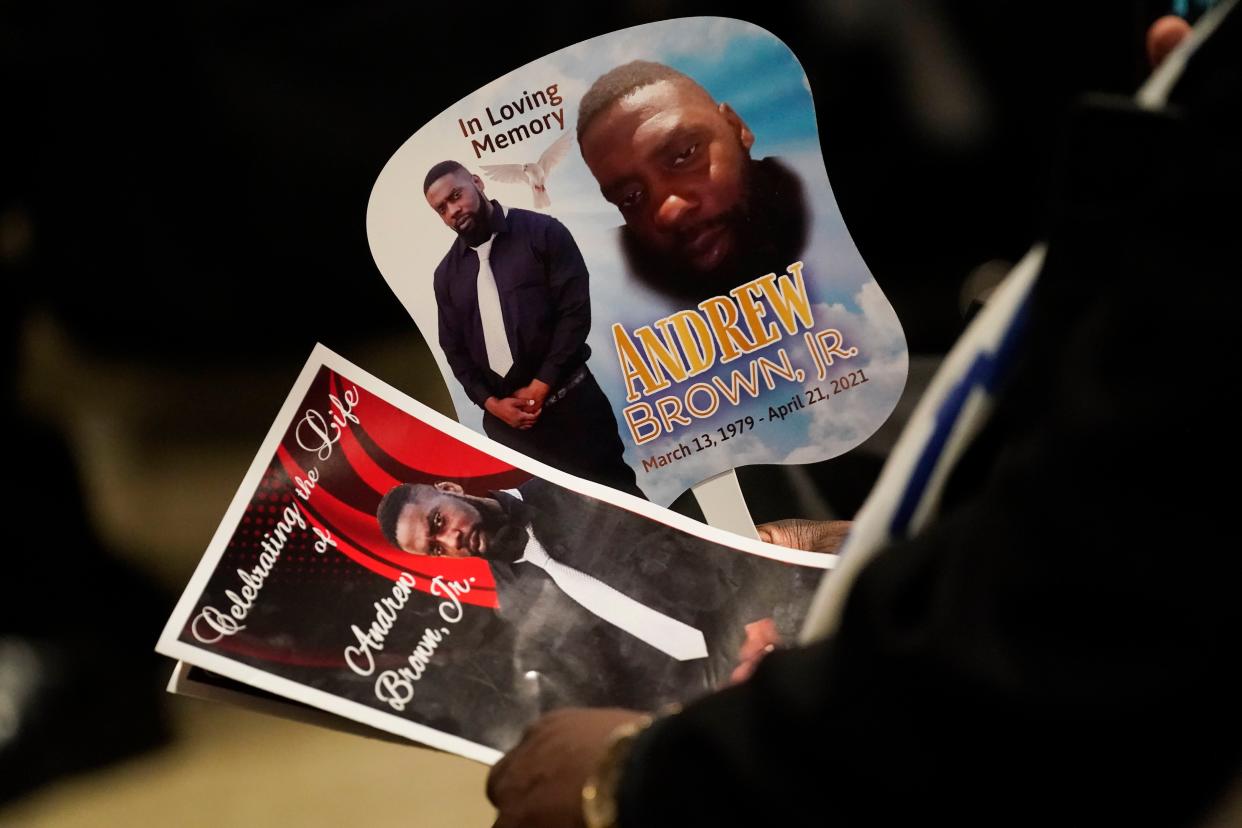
(513, 313)
(701, 216)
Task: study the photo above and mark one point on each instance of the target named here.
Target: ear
(450, 487)
(478, 182)
(744, 136)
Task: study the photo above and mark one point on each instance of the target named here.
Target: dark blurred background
(182, 206)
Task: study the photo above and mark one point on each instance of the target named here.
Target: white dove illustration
(536, 174)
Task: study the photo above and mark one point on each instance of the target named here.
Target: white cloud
(854, 415)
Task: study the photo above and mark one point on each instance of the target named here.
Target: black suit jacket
(565, 655)
(544, 300)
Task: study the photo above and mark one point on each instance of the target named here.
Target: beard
(508, 542)
(481, 228)
(505, 526)
(769, 231)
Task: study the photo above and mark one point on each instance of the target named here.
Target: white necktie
(668, 635)
(499, 357)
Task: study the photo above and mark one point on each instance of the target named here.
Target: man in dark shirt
(701, 216)
(514, 313)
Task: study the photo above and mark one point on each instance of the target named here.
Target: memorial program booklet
(385, 564)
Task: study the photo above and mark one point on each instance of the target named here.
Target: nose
(673, 211)
(453, 540)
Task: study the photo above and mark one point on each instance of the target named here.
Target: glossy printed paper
(672, 216)
(383, 563)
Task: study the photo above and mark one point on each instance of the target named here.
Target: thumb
(1164, 36)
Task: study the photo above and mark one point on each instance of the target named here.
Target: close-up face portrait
(675, 163)
(441, 523)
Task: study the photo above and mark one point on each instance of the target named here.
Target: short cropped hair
(391, 504)
(618, 82)
(439, 171)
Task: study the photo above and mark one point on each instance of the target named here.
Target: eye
(682, 158)
(631, 199)
(435, 525)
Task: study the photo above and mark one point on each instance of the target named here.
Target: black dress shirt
(544, 300)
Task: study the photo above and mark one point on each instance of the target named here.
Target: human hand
(535, 392)
(539, 783)
(761, 639)
(1163, 37)
(810, 535)
(512, 411)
